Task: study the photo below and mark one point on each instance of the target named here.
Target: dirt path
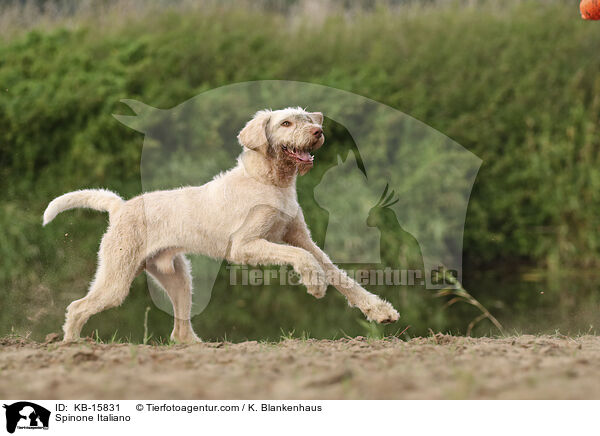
(435, 368)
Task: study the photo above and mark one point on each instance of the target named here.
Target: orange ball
(590, 9)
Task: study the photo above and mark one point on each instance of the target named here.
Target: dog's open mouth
(301, 156)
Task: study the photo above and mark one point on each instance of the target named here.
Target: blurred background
(517, 83)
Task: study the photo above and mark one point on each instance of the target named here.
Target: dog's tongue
(304, 156)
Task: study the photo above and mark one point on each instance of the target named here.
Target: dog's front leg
(249, 245)
(262, 252)
(372, 306)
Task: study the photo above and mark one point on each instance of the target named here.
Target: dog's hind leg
(178, 286)
(116, 270)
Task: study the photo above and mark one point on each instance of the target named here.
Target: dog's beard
(301, 158)
(304, 168)
(285, 161)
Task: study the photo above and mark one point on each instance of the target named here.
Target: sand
(436, 367)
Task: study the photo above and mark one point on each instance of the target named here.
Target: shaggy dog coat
(248, 215)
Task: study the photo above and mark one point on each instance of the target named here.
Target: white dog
(248, 215)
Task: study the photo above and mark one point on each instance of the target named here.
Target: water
(538, 301)
(525, 302)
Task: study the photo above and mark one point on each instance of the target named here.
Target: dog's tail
(98, 199)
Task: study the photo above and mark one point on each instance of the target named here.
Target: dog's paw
(315, 281)
(183, 333)
(381, 311)
(187, 339)
(317, 291)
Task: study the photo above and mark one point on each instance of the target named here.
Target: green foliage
(517, 84)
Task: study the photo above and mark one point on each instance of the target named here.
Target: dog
(247, 215)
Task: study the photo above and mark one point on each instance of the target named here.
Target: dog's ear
(254, 133)
(317, 117)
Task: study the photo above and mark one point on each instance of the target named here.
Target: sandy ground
(437, 367)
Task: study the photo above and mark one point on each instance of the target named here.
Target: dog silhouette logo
(26, 415)
(420, 227)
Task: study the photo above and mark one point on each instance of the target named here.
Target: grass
(147, 336)
(433, 337)
(459, 294)
(114, 339)
(291, 335)
(372, 330)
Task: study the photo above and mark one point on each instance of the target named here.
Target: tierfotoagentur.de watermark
(284, 276)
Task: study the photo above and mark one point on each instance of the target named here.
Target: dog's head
(288, 136)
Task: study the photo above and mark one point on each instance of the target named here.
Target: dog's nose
(317, 132)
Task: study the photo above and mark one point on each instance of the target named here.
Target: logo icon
(391, 191)
(26, 415)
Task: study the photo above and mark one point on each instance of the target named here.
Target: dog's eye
(286, 124)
